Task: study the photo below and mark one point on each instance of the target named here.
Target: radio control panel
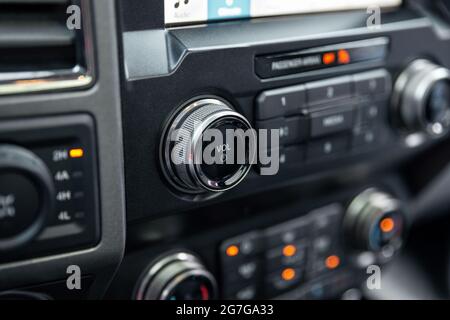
(330, 117)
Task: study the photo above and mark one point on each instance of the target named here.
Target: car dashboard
(333, 184)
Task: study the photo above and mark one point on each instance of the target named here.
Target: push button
(372, 112)
(290, 255)
(324, 263)
(287, 157)
(280, 102)
(327, 220)
(331, 121)
(282, 280)
(291, 130)
(327, 147)
(291, 156)
(323, 91)
(322, 245)
(366, 138)
(372, 83)
(287, 233)
(246, 291)
(330, 287)
(236, 250)
(243, 272)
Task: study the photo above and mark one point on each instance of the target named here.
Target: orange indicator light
(289, 250)
(343, 57)
(332, 262)
(76, 153)
(387, 225)
(288, 274)
(232, 251)
(329, 58)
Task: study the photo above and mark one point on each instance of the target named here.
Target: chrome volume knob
(421, 98)
(207, 147)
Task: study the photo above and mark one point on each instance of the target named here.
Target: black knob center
(437, 108)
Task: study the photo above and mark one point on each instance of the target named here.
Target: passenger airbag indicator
(269, 66)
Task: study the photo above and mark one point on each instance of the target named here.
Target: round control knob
(421, 98)
(178, 276)
(26, 196)
(374, 221)
(207, 146)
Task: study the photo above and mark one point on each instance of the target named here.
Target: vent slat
(34, 36)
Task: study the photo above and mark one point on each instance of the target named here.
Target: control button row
(328, 133)
(329, 287)
(294, 130)
(361, 139)
(298, 129)
(281, 255)
(294, 100)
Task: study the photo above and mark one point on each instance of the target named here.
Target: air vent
(38, 51)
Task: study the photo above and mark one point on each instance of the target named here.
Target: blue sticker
(228, 9)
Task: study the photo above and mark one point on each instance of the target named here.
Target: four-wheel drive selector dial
(26, 196)
(207, 147)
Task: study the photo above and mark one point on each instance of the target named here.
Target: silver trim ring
(411, 93)
(152, 284)
(189, 177)
(180, 278)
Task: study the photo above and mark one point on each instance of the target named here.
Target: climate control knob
(421, 98)
(207, 147)
(26, 196)
(374, 221)
(177, 276)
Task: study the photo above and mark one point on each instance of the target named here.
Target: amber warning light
(76, 153)
(232, 251)
(329, 58)
(289, 250)
(344, 57)
(332, 262)
(288, 274)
